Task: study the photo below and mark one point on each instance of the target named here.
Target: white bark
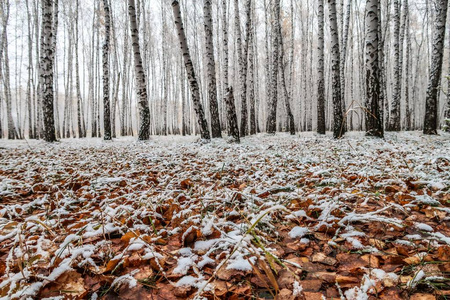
(203, 125)
(141, 86)
(374, 125)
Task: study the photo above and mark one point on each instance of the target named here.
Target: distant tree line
(102, 68)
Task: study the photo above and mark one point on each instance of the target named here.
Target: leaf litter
(279, 217)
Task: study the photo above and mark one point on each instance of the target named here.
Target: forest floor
(302, 217)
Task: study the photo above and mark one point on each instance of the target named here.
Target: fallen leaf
(420, 296)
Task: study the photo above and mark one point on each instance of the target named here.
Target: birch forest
(89, 68)
(224, 149)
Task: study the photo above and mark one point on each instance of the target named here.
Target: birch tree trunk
(240, 59)
(123, 113)
(267, 11)
(432, 97)
(407, 67)
(321, 70)
(114, 65)
(164, 77)
(211, 70)
(233, 130)
(225, 48)
(37, 97)
(31, 134)
(13, 132)
(141, 86)
(394, 115)
(382, 62)
(374, 125)
(106, 100)
(5, 9)
(272, 105)
(251, 88)
(1, 125)
(243, 69)
(80, 119)
(46, 70)
(345, 31)
(446, 126)
(55, 65)
(281, 65)
(203, 125)
(92, 98)
(232, 124)
(338, 126)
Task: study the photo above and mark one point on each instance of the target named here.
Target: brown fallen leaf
(341, 279)
(183, 291)
(186, 184)
(412, 260)
(111, 265)
(333, 293)
(227, 274)
(2, 268)
(313, 296)
(221, 288)
(380, 245)
(443, 253)
(285, 294)
(285, 279)
(70, 283)
(329, 277)
(391, 294)
(420, 296)
(323, 258)
(241, 290)
(371, 260)
(350, 262)
(435, 213)
(128, 236)
(312, 285)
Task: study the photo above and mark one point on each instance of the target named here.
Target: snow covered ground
(293, 217)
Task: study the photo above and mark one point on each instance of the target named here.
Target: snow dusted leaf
(70, 283)
(298, 232)
(128, 236)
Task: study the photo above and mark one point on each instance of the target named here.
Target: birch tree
(232, 124)
(394, 114)
(211, 69)
(374, 125)
(124, 129)
(4, 59)
(431, 101)
(225, 59)
(271, 126)
(267, 31)
(46, 70)
(30, 80)
(106, 100)
(446, 126)
(321, 69)
(345, 34)
(203, 125)
(338, 118)
(407, 65)
(251, 79)
(242, 54)
(80, 116)
(286, 96)
(141, 85)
